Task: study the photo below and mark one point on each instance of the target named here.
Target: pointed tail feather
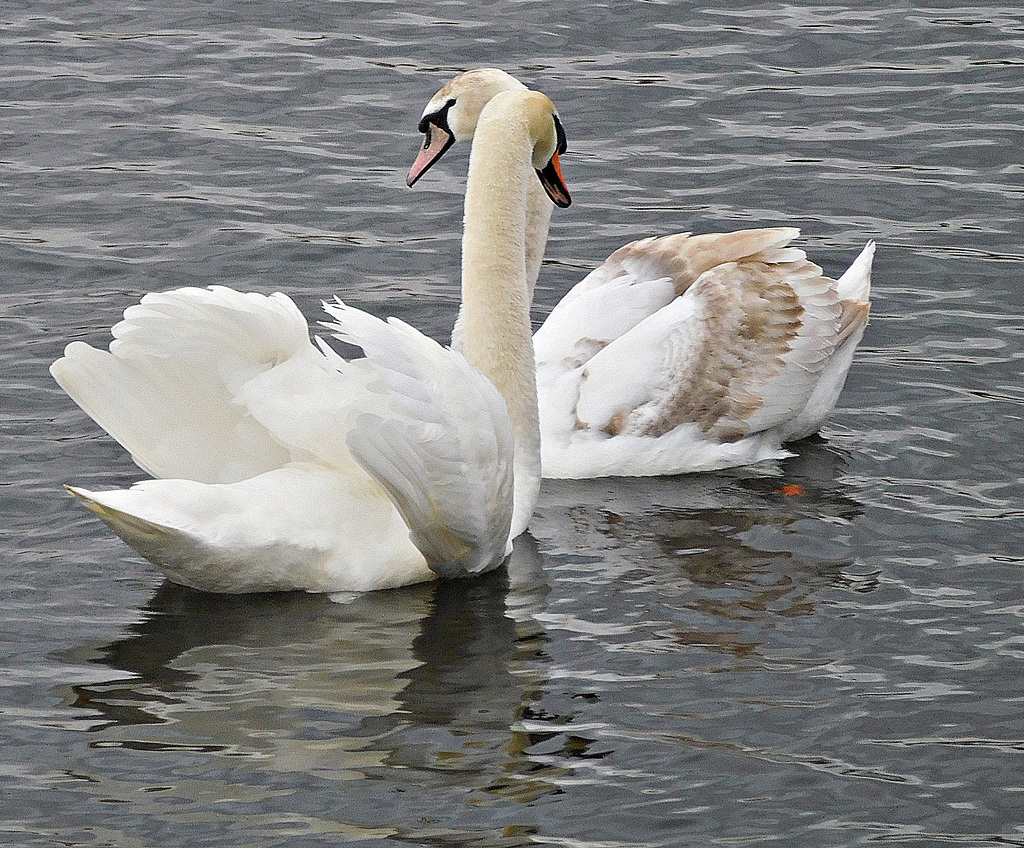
(855, 283)
(854, 289)
(158, 543)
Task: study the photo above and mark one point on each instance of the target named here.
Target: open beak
(554, 183)
(436, 141)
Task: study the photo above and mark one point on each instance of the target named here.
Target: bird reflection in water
(433, 677)
(449, 684)
(714, 558)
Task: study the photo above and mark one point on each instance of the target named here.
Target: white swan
(284, 466)
(681, 353)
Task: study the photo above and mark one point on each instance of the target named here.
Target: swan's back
(642, 277)
(282, 465)
(685, 341)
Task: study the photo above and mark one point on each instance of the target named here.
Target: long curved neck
(496, 333)
(538, 217)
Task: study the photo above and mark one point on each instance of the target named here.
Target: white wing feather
(225, 394)
(445, 454)
(166, 388)
(621, 358)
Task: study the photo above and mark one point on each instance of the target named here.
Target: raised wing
(218, 387)
(443, 452)
(166, 389)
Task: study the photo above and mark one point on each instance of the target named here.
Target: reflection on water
(431, 677)
(453, 685)
(822, 651)
(724, 555)
(656, 645)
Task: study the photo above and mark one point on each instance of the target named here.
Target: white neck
(496, 334)
(538, 217)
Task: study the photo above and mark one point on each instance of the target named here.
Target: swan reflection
(712, 559)
(430, 677)
(498, 688)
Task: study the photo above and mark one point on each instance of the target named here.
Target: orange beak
(554, 183)
(435, 143)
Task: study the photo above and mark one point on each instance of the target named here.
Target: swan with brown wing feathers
(680, 353)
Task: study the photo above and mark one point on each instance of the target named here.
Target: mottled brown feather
(684, 257)
(751, 317)
(854, 316)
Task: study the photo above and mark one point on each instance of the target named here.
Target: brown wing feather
(854, 317)
(684, 257)
(751, 316)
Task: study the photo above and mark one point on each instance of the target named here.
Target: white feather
(284, 466)
(640, 339)
(433, 437)
(446, 462)
(430, 482)
(587, 376)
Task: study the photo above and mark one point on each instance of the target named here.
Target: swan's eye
(439, 119)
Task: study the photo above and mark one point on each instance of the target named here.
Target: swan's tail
(158, 543)
(855, 283)
(854, 289)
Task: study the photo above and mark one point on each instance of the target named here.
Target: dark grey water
(699, 661)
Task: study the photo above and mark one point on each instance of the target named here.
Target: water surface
(708, 660)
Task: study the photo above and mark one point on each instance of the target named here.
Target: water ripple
(822, 647)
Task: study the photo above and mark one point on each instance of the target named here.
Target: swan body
(280, 465)
(681, 353)
(636, 379)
